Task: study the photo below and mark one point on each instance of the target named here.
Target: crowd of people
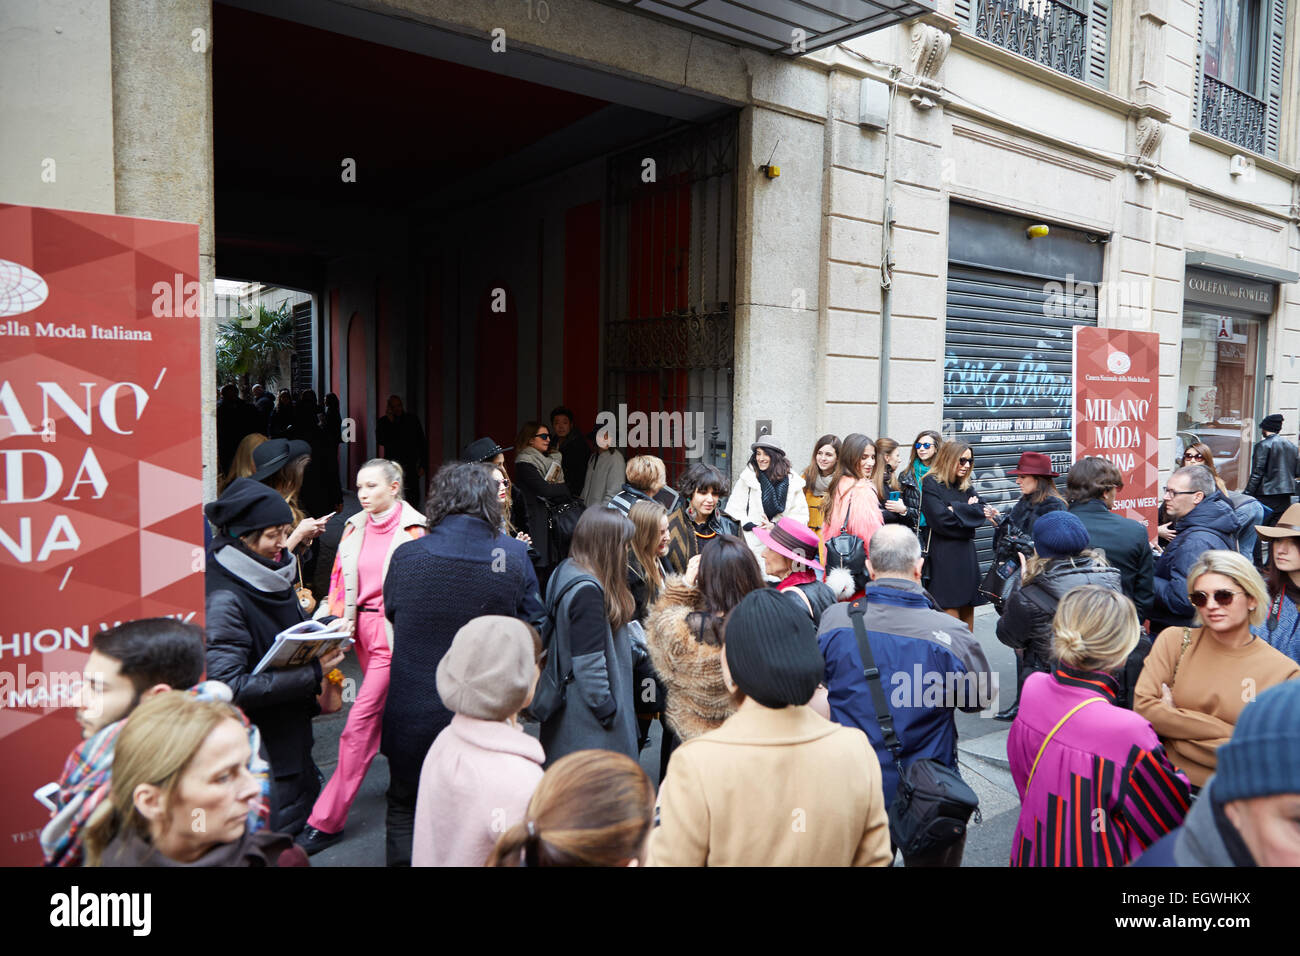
(804, 638)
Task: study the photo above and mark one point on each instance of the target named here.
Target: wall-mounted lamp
(1036, 231)
(770, 171)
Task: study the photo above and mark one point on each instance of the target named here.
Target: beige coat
(780, 787)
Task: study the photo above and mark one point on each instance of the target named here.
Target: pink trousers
(359, 741)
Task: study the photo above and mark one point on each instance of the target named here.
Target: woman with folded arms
(1196, 680)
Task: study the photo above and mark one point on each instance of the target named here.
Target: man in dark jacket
(930, 666)
(399, 434)
(1273, 469)
(463, 568)
(1245, 814)
(572, 446)
(1202, 520)
(1091, 487)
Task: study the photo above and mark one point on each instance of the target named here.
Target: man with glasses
(1202, 521)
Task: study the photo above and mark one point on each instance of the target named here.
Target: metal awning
(770, 25)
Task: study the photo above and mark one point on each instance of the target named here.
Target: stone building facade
(883, 282)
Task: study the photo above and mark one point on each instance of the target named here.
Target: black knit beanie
(247, 505)
(771, 650)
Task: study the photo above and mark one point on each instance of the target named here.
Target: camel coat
(780, 787)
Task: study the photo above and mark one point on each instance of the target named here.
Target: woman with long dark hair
(767, 489)
(684, 636)
(591, 605)
(854, 503)
(953, 513)
(817, 478)
(1282, 624)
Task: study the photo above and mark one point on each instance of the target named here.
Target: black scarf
(773, 494)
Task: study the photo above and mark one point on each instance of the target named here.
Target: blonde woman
(1095, 786)
(180, 759)
(241, 466)
(356, 593)
(1198, 679)
(647, 479)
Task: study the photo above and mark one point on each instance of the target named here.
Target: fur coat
(696, 700)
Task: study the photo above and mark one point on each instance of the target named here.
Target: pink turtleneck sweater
(370, 562)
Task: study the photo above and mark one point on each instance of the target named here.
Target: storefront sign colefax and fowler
(1116, 399)
(100, 470)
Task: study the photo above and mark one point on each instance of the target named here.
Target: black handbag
(933, 803)
(561, 520)
(848, 551)
(1000, 579)
(556, 668)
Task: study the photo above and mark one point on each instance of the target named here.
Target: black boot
(313, 840)
(1009, 713)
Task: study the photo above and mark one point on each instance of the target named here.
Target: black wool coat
(954, 567)
(460, 570)
(242, 622)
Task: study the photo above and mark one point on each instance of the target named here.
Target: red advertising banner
(1116, 410)
(100, 489)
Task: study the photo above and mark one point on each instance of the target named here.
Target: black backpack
(848, 551)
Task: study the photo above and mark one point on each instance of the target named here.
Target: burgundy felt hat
(1034, 463)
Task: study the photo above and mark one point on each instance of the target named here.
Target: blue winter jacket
(1210, 526)
(930, 666)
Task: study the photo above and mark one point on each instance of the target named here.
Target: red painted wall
(582, 243)
(496, 367)
(658, 256)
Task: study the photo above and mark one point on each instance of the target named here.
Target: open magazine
(302, 643)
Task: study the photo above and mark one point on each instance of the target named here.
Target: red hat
(1034, 463)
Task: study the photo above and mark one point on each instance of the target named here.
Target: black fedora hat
(270, 456)
(481, 449)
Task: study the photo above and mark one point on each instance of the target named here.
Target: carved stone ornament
(1149, 132)
(929, 47)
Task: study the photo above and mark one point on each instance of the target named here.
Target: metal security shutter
(302, 348)
(1007, 365)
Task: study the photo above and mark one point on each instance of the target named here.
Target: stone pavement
(981, 750)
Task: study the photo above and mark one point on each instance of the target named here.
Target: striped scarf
(773, 494)
(87, 780)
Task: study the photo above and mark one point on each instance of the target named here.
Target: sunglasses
(965, 461)
(1222, 597)
(543, 435)
(1193, 456)
(924, 445)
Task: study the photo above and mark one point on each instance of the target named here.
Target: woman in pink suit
(1096, 788)
(357, 593)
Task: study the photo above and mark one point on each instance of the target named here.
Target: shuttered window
(1238, 94)
(1070, 36)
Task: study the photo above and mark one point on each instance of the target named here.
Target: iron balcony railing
(1228, 113)
(1049, 32)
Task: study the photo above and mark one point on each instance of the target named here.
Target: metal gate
(669, 332)
(1007, 384)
